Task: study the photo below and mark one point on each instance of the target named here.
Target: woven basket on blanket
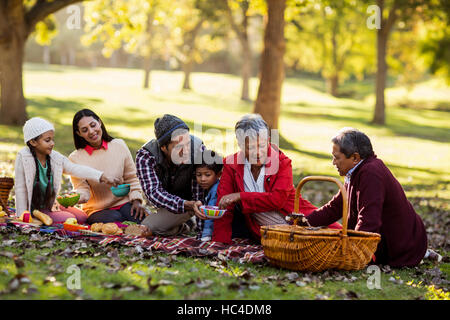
(6, 184)
(316, 249)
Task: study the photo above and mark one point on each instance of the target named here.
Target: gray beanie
(165, 126)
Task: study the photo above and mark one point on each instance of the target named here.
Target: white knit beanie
(35, 127)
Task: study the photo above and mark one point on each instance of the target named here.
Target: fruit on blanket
(43, 217)
(26, 217)
(138, 230)
(71, 221)
(110, 228)
(97, 227)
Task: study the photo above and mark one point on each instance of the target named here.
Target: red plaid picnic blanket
(241, 250)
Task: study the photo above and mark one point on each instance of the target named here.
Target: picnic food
(71, 221)
(68, 199)
(97, 227)
(26, 217)
(138, 230)
(43, 217)
(110, 228)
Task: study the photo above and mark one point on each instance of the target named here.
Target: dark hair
(80, 142)
(352, 140)
(38, 200)
(213, 161)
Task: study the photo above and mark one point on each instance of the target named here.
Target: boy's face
(206, 177)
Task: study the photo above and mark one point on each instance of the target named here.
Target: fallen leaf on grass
(151, 287)
(203, 284)
(292, 276)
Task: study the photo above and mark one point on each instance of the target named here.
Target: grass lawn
(414, 144)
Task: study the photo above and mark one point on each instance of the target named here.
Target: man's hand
(137, 210)
(229, 199)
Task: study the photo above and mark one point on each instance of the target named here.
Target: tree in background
(394, 13)
(272, 65)
(134, 25)
(238, 13)
(328, 37)
(18, 20)
(436, 44)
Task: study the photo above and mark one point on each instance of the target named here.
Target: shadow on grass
(396, 125)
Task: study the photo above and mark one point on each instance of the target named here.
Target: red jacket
(279, 195)
(377, 203)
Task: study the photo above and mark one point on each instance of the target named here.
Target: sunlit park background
(204, 61)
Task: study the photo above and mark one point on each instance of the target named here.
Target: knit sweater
(115, 162)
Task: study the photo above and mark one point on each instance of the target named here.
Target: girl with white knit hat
(39, 169)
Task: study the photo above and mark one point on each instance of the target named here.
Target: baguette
(43, 217)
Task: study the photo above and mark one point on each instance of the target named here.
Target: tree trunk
(246, 71)
(13, 104)
(147, 63)
(380, 85)
(333, 81)
(272, 65)
(189, 48)
(382, 42)
(333, 84)
(147, 69)
(242, 34)
(12, 48)
(187, 68)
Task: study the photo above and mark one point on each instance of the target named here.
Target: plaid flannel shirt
(157, 195)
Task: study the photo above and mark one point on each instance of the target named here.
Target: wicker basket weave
(6, 184)
(317, 249)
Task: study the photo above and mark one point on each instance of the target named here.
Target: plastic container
(212, 212)
(121, 190)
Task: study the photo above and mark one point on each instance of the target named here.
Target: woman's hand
(110, 180)
(83, 198)
(229, 199)
(137, 210)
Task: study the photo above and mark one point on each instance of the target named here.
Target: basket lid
(314, 231)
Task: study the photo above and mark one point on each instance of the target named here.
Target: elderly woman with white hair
(256, 186)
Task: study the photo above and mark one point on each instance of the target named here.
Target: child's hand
(197, 210)
(110, 180)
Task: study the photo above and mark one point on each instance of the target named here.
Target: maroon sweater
(377, 203)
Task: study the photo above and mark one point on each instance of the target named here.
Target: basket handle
(341, 188)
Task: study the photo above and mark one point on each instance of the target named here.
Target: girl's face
(90, 130)
(206, 177)
(44, 143)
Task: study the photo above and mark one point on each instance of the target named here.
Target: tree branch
(42, 9)
(391, 18)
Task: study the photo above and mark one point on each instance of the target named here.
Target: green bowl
(121, 190)
(69, 201)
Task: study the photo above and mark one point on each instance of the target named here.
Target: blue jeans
(208, 228)
(107, 215)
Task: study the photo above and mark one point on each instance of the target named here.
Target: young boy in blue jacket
(208, 177)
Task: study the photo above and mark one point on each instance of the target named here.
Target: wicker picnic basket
(6, 184)
(316, 249)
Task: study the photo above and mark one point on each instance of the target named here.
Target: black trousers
(239, 227)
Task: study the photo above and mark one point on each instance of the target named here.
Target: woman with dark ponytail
(38, 172)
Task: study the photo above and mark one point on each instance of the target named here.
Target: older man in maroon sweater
(377, 202)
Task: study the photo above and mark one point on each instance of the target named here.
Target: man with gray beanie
(165, 168)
